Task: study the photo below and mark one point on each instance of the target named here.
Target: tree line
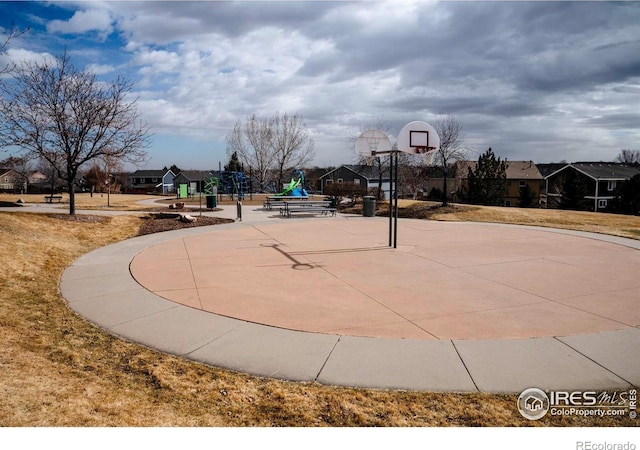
(268, 145)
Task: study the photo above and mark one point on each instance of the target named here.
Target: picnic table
(271, 200)
(308, 207)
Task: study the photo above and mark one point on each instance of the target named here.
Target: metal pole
(395, 196)
(390, 198)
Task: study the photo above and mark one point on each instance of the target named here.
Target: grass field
(56, 369)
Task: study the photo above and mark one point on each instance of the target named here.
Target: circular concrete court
(444, 281)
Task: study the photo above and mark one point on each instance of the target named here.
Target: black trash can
(212, 201)
(368, 206)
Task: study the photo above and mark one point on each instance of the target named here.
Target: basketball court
(443, 306)
(444, 281)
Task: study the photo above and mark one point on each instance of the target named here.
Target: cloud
(94, 19)
(532, 79)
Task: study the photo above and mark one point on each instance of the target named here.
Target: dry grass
(614, 224)
(56, 369)
(122, 202)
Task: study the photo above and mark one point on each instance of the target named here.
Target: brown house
(12, 181)
(520, 174)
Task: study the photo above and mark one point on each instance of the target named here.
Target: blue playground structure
(295, 188)
(233, 183)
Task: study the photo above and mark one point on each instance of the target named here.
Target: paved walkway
(457, 307)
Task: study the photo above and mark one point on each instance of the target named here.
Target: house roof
(606, 171)
(6, 170)
(516, 170)
(522, 170)
(368, 172)
(195, 175)
(149, 173)
(549, 168)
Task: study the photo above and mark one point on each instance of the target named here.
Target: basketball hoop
(369, 160)
(427, 154)
(371, 142)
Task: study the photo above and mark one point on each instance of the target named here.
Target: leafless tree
(292, 145)
(14, 33)
(451, 149)
(274, 144)
(412, 173)
(628, 156)
(69, 118)
(251, 140)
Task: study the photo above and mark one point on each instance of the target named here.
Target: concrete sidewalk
(457, 307)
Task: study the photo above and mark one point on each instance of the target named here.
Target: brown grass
(56, 369)
(613, 224)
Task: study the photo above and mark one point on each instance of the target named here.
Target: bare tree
(14, 33)
(251, 140)
(411, 173)
(451, 149)
(628, 156)
(292, 145)
(55, 112)
(279, 143)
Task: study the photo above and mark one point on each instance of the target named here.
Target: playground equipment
(234, 183)
(295, 188)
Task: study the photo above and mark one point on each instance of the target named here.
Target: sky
(542, 81)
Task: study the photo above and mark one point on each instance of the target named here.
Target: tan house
(12, 181)
(520, 174)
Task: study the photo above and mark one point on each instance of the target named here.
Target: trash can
(212, 201)
(368, 206)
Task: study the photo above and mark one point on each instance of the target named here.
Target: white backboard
(372, 141)
(418, 138)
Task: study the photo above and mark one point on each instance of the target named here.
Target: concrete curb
(99, 287)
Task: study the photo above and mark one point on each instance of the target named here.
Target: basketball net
(427, 155)
(373, 147)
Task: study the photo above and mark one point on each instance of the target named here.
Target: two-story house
(161, 181)
(594, 182)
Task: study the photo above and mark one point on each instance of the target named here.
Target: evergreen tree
(574, 191)
(488, 182)
(627, 198)
(234, 164)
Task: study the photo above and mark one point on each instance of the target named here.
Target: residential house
(358, 174)
(597, 180)
(145, 181)
(547, 169)
(312, 180)
(433, 183)
(12, 181)
(194, 179)
(519, 174)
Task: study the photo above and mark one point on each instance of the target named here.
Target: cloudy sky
(546, 81)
